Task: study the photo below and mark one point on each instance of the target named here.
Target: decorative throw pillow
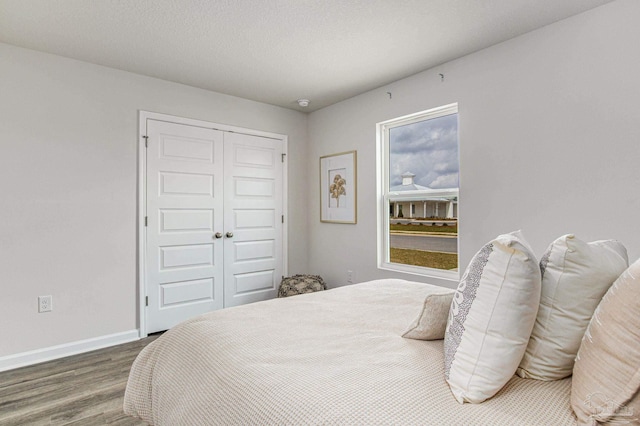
(606, 376)
(575, 276)
(301, 284)
(432, 321)
(491, 317)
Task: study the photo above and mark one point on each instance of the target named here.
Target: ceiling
(275, 51)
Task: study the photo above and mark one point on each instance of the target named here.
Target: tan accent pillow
(575, 276)
(432, 321)
(606, 375)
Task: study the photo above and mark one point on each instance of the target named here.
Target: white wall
(68, 167)
(549, 128)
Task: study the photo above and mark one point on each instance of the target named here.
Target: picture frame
(338, 188)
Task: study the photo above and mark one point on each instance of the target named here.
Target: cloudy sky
(428, 149)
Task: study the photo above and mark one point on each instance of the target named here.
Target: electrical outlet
(45, 303)
(350, 276)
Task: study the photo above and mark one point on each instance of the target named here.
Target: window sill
(448, 275)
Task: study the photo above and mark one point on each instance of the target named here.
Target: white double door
(214, 208)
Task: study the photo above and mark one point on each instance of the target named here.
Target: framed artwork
(338, 192)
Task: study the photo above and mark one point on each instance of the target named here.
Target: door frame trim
(141, 241)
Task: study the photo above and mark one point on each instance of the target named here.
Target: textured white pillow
(491, 317)
(575, 276)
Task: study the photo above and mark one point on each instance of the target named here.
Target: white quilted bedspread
(332, 357)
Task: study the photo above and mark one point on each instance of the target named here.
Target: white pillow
(575, 276)
(491, 317)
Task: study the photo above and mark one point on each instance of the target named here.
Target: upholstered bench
(300, 284)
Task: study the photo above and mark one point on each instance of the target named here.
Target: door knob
(229, 234)
(218, 235)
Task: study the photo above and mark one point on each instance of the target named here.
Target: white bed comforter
(332, 357)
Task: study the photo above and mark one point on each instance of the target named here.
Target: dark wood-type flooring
(85, 389)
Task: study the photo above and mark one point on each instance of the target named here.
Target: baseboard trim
(37, 356)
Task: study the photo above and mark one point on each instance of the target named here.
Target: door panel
(184, 260)
(186, 256)
(251, 282)
(184, 292)
(186, 184)
(254, 250)
(253, 211)
(254, 188)
(185, 220)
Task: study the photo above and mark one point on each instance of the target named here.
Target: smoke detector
(303, 102)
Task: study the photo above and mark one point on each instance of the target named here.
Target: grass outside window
(429, 259)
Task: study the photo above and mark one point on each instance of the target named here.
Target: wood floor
(85, 389)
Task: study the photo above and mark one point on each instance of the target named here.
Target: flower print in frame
(338, 202)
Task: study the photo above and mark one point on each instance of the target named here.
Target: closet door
(253, 218)
(184, 201)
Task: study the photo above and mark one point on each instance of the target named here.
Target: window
(418, 193)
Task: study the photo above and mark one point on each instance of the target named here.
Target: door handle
(229, 234)
(218, 235)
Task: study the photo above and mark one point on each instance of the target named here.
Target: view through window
(422, 189)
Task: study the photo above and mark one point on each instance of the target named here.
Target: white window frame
(383, 196)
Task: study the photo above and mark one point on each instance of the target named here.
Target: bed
(331, 357)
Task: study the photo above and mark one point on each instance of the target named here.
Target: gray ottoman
(300, 284)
